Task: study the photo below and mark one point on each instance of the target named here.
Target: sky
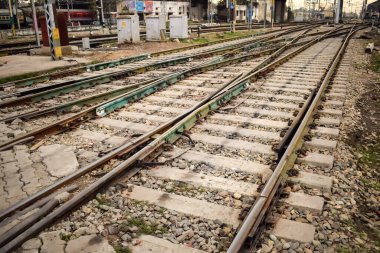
(348, 5)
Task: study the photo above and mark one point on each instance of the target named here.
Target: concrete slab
(313, 180)
(122, 125)
(314, 204)
(171, 93)
(196, 207)
(115, 140)
(222, 162)
(271, 113)
(240, 131)
(157, 108)
(157, 245)
(325, 131)
(279, 97)
(334, 112)
(271, 104)
(189, 87)
(60, 160)
(52, 242)
(292, 85)
(293, 231)
(139, 115)
(318, 160)
(22, 64)
(234, 144)
(89, 244)
(91, 135)
(333, 103)
(207, 181)
(336, 95)
(248, 120)
(321, 143)
(300, 91)
(156, 98)
(328, 121)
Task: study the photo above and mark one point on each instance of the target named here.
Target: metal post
(250, 15)
(337, 12)
(234, 16)
(68, 11)
(35, 25)
(11, 18)
(273, 13)
(102, 13)
(228, 3)
(16, 13)
(265, 13)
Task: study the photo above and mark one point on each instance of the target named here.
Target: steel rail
(120, 102)
(65, 107)
(46, 92)
(262, 203)
(46, 77)
(187, 120)
(69, 86)
(79, 172)
(269, 67)
(133, 95)
(57, 127)
(126, 147)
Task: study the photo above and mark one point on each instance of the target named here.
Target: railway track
(310, 177)
(209, 140)
(108, 64)
(32, 106)
(96, 41)
(74, 71)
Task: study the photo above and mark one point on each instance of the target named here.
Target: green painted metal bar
(122, 61)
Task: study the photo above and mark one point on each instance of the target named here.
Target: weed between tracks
(145, 227)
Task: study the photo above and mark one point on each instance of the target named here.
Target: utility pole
(337, 11)
(208, 11)
(11, 17)
(35, 25)
(272, 13)
(265, 13)
(364, 9)
(250, 15)
(102, 12)
(234, 16)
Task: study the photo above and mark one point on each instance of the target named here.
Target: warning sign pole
(53, 32)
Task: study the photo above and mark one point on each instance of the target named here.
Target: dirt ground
(364, 143)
